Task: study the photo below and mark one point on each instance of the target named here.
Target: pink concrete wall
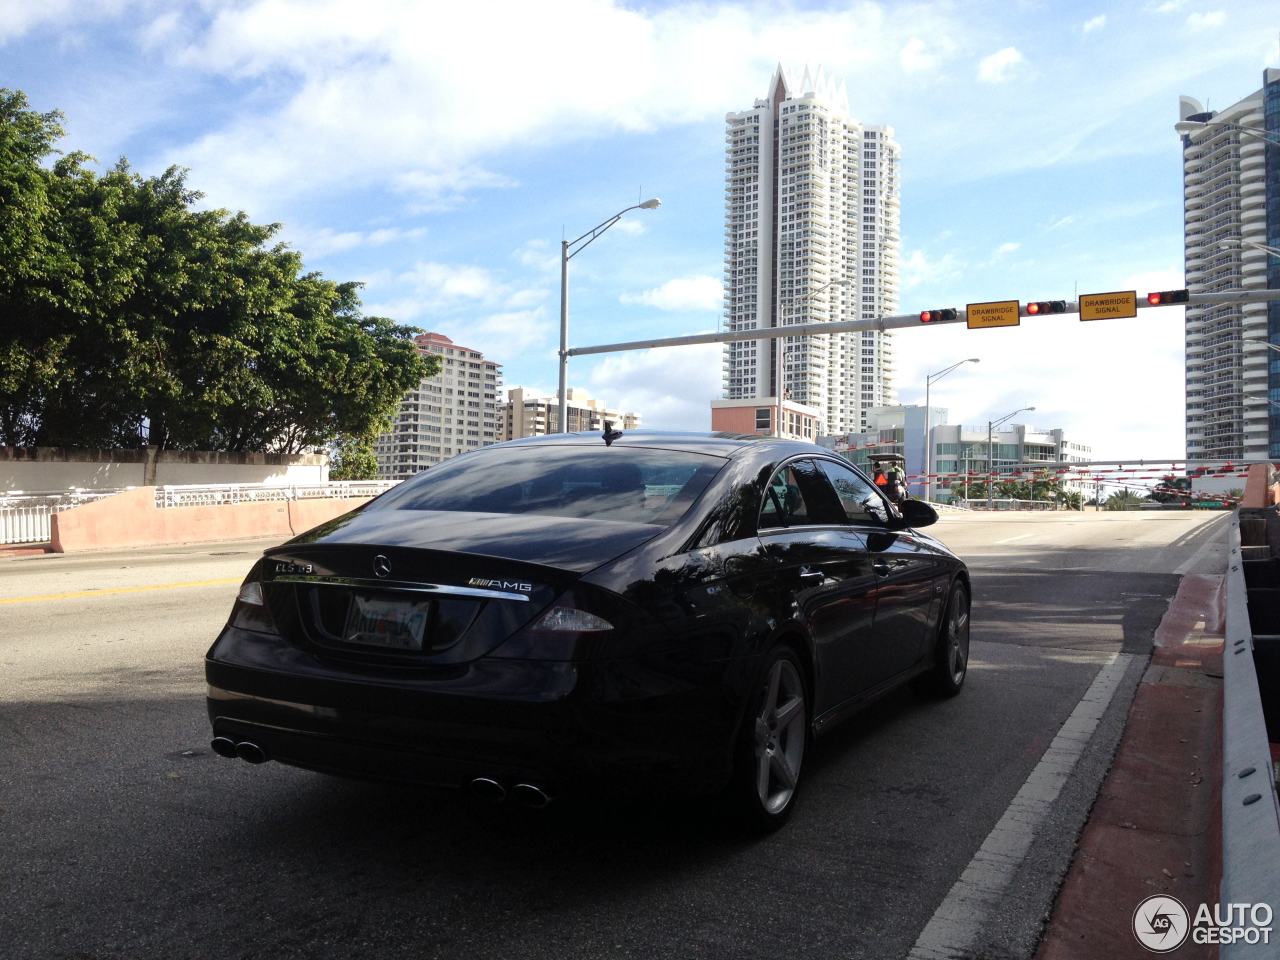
(131, 519)
(736, 419)
(1258, 490)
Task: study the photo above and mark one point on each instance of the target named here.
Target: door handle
(881, 568)
(811, 578)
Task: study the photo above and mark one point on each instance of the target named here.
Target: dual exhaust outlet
(246, 750)
(485, 788)
(525, 794)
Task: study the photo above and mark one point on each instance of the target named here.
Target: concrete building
(956, 449)
(811, 235)
(448, 414)
(1231, 199)
(526, 415)
(800, 422)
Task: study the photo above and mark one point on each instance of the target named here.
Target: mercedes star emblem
(381, 565)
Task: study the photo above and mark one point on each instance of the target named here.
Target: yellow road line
(110, 591)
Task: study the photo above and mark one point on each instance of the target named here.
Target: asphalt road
(123, 836)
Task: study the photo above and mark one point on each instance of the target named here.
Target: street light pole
(787, 306)
(991, 425)
(928, 412)
(568, 250)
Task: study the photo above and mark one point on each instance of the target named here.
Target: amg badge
(500, 584)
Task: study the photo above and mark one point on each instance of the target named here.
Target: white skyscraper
(811, 234)
(1231, 202)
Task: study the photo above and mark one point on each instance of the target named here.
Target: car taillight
(250, 612)
(570, 619)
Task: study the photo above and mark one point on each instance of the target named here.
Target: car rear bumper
(637, 724)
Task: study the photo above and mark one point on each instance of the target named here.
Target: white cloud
(502, 335)
(918, 269)
(1094, 23)
(633, 227)
(446, 189)
(1206, 21)
(526, 297)
(441, 282)
(671, 389)
(324, 241)
(915, 57)
(1169, 6)
(998, 67)
(682, 293)
(1060, 222)
(537, 254)
(406, 92)
(1007, 248)
(18, 17)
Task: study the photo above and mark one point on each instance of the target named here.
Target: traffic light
(1162, 297)
(933, 316)
(1046, 306)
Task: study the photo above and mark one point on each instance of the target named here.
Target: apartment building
(525, 414)
(1231, 204)
(445, 415)
(811, 235)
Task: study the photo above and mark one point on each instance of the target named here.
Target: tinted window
(601, 483)
(861, 502)
(783, 505)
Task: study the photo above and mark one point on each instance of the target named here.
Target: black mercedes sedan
(551, 615)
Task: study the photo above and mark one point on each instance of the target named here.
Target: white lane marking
(1023, 536)
(979, 893)
(1194, 560)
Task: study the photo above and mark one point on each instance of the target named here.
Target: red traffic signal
(1046, 306)
(933, 316)
(1162, 297)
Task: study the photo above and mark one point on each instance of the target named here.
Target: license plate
(386, 623)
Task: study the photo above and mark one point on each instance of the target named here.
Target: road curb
(1154, 827)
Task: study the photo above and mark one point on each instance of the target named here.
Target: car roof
(718, 444)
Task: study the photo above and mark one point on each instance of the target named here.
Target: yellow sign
(1109, 306)
(1000, 313)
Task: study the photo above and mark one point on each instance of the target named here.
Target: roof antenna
(610, 434)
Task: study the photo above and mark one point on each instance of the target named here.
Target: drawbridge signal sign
(1109, 306)
(998, 313)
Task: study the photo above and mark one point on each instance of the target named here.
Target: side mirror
(917, 513)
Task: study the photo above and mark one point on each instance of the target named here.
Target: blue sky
(439, 152)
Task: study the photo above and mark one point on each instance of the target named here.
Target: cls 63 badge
(283, 566)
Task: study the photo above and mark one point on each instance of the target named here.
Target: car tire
(951, 661)
(771, 744)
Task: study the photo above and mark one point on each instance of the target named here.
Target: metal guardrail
(25, 517)
(215, 494)
(1250, 809)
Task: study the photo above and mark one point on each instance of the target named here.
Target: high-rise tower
(811, 235)
(1231, 203)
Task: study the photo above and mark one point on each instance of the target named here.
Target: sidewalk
(1155, 827)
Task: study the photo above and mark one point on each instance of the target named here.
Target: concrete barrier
(132, 519)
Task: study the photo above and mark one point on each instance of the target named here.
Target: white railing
(216, 494)
(24, 517)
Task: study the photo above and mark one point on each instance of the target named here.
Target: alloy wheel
(780, 736)
(958, 637)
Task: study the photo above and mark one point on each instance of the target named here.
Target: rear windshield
(625, 484)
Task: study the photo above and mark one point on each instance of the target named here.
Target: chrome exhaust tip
(250, 752)
(530, 796)
(486, 788)
(223, 747)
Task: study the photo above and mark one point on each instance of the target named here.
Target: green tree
(1123, 500)
(353, 459)
(131, 317)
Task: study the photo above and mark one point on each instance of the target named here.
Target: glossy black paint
(657, 700)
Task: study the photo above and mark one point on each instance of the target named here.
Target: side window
(860, 500)
(784, 505)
